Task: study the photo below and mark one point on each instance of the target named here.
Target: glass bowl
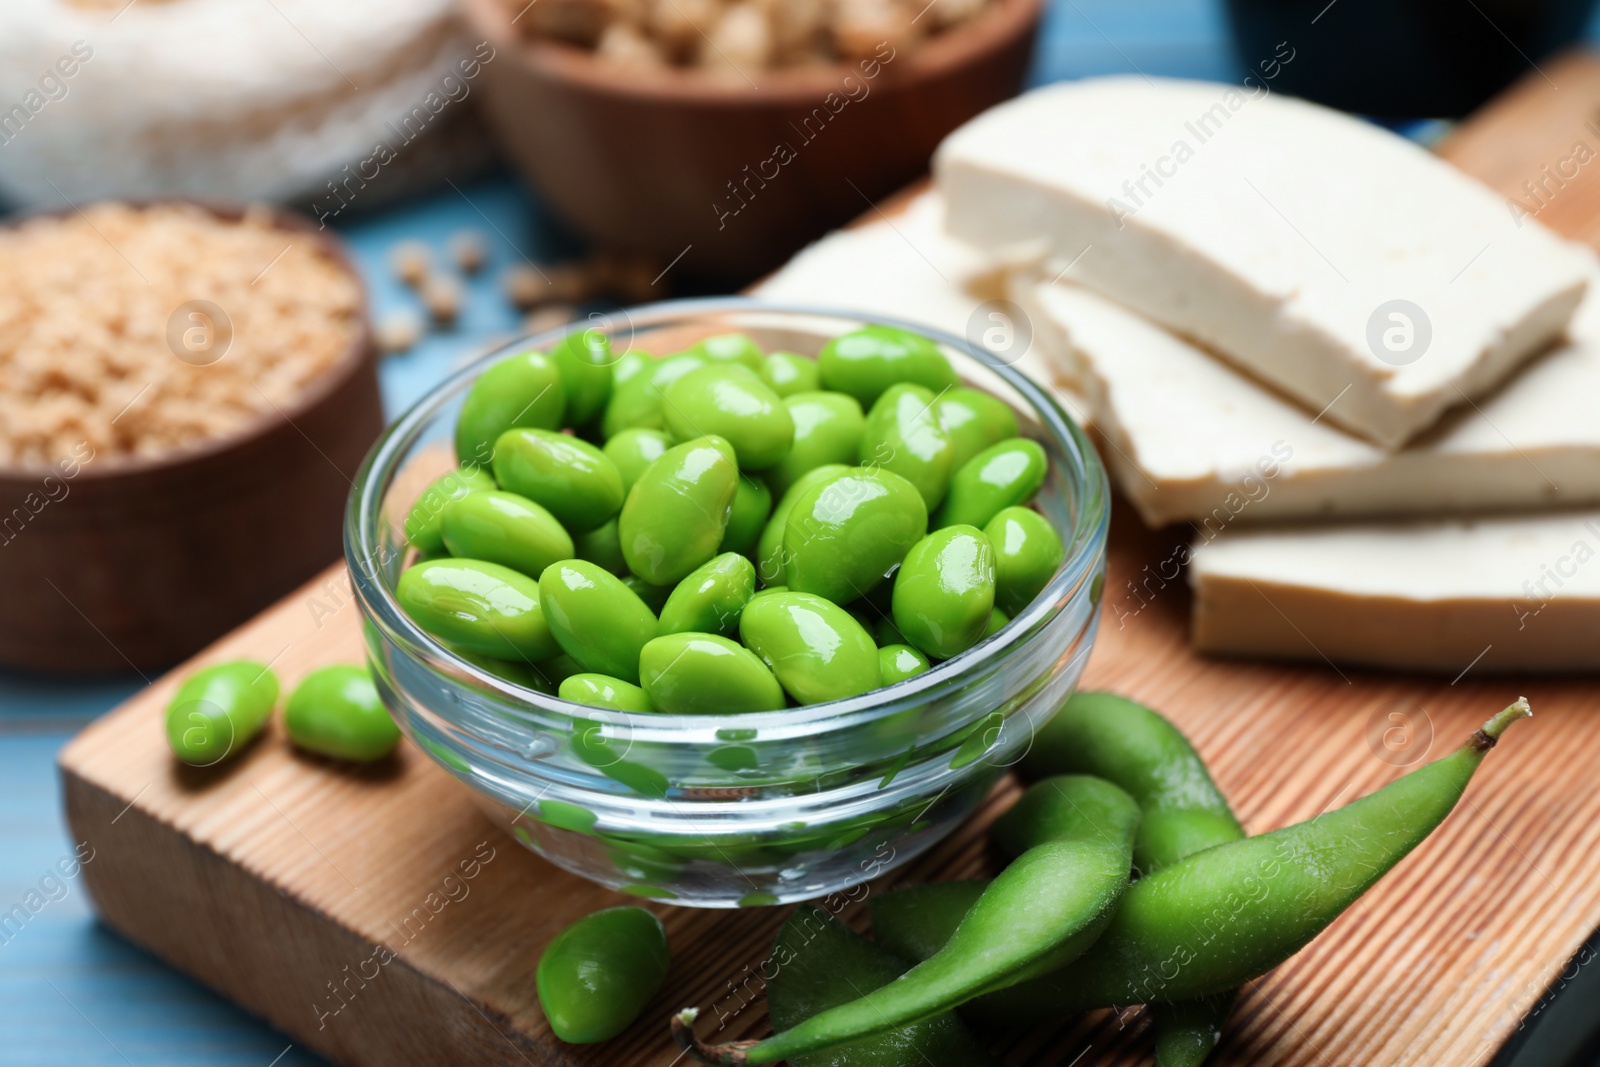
(733, 810)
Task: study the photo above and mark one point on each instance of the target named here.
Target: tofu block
(1331, 259)
(1503, 594)
(1188, 438)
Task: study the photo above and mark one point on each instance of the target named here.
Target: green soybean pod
(220, 709)
(584, 358)
(505, 528)
(867, 361)
(633, 450)
(817, 650)
(483, 607)
(944, 591)
(770, 558)
(703, 674)
(1027, 554)
(523, 390)
(1001, 476)
(597, 975)
(595, 618)
(604, 691)
(731, 348)
(711, 598)
(902, 436)
(789, 374)
(974, 420)
(896, 663)
(677, 512)
(638, 402)
(827, 429)
(845, 534)
(336, 711)
(752, 505)
(424, 523)
(730, 402)
(602, 545)
(570, 478)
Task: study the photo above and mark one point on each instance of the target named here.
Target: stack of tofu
(1369, 389)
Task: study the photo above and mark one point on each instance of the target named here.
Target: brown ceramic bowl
(648, 161)
(134, 564)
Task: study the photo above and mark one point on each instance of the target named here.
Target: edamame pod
(827, 429)
(678, 510)
(638, 401)
(570, 478)
(584, 358)
(974, 420)
(604, 691)
(789, 374)
(595, 619)
(902, 435)
(336, 711)
(1001, 476)
(844, 534)
(752, 505)
(597, 975)
(633, 450)
(896, 663)
(703, 674)
(483, 607)
(524, 390)
(711, 598)
(944, 591)
(770, 558)
(220, 709)
(1027, 554)
(817, 650)
(505, 528)
(730, 402)
(867, 361)
(424, 523)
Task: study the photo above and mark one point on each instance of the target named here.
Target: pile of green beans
(1194, 910)
(727, 530)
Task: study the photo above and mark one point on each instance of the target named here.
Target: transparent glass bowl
(733, 810)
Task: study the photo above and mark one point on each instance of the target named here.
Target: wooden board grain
(378, 917)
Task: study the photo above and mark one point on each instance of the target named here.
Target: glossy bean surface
(597, 975)
(484, 607)
(595, 618)
(505, 528)
(336, 711)
(218, 710)
(817, 650)
(944, 591)
(678, 510)
(568, 477)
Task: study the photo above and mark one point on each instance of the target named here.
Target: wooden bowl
(134, 564)
(673, 163)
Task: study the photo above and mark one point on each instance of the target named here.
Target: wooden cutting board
(378, 918)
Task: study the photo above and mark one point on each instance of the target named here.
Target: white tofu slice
(1276, 232)
(1189, 438)
(1499, 594)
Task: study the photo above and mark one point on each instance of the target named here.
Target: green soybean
(789, 374)
(585, 359)
(483, 607)
(770, 557)
(638, 401)
(516, 672)
(731, 348)
(505, 528)
(703, 674)
(711, 598)
(1027, 554)
(896, 663)
(424, 523)
(731, 403)
(1001, 476)
(570, 478)
(867, 361)
(817, 650)
(524, 390)
(604, 691)
(597, 975)
(595, 618)
(902, 435)
(633, 450)
(654, 596)
(886, 633)
(677, 512)
(336, 711)
(974, 420)
(752, 505)
(998, 620)
(628, 365)
(602, 545)
(827, 429)
(844, 534)
(218, 710)
(944, 591)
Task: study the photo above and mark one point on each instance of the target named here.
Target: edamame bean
(752, 504)
(974, 420)
(817, 650)
(902, 436)
(336, 711)
(711, 598)
(638, 403)
(570, 478)
(633, 450)
(869, 360)
(896, 663)
(524, 390)
(595, 618)
(732, 403)
(944, 593)
(770, 558)
(1001, 476)
(703, 674)
(516, 672)
(584, 358)
(483, 607)
(424, 523)
(654, 596)
(845, 533)
(789, 374)
(602, 545)
(827, 429)
(628, 365)
(604, 691)
(597, 975)
(998, 620)
(731, 348)
(218, 710)
(505, 528)
(886, 633)
(1027, 554)
(677, 512)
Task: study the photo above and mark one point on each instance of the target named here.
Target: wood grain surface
(378, 918)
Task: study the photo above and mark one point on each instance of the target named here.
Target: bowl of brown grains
(186, 392)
